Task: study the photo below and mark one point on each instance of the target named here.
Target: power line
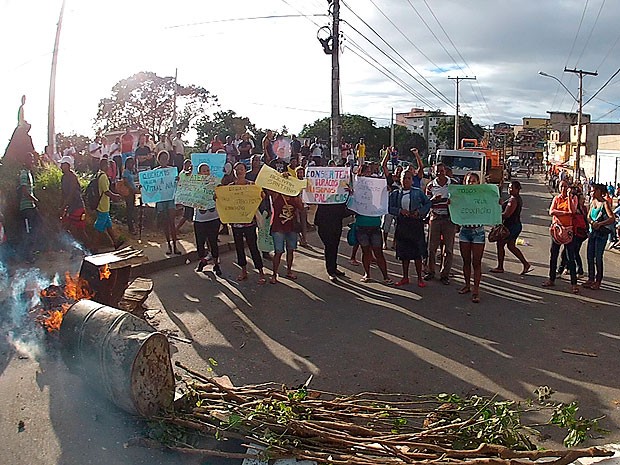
(464, 61)
(603, 86)
(609, 52)
(585, 45)
(436, 92)
(250, 18)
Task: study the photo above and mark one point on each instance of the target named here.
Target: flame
(75, 288)
(104, 272)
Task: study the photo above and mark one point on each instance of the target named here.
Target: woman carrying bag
(601, 220)
(562, 210)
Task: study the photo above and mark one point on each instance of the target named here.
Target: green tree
(79, 141)
(223, 123)
(467, 130)
(146, 100)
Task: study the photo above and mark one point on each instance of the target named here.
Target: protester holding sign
(471, 244)
(188, 211)
(166, 211)
(206, 226)
(247, 231)
(368, 228)
(409, 205)
(441, 228)
(284, 230)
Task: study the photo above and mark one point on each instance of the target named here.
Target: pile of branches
(365, 429)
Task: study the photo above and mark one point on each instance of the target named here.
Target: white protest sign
(196, 191)
(326, 185)
(370, 196)
(158, 185)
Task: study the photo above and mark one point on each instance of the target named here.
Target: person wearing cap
(73, 214)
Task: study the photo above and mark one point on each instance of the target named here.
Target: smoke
(23, 288)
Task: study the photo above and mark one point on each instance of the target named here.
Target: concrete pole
(51, 108)
(456, 115)
(392, 129)
(336, 124)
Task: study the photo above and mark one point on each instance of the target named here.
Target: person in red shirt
(284, 229)
(216, 144)
(127, 141)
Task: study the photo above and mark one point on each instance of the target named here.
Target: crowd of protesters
(418, 217)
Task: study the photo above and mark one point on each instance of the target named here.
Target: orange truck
(494, 171)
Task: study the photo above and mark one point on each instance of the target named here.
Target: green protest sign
(475, 204)
(196, 191)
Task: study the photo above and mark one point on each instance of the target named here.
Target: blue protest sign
(158, 185)
(216, 162)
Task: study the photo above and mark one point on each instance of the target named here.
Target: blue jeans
(596, 248)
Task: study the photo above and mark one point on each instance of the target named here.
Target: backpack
(92, 197)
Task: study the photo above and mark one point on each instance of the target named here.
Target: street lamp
(579, 101)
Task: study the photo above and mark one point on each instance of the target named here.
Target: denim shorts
(162, 207)
(472, 235)
(369, 236)
(388, 222)
(282, 239)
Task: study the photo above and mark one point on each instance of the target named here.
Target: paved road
(351, 337)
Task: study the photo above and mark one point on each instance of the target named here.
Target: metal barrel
(119, 355)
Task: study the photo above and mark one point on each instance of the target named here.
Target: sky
(274, 70)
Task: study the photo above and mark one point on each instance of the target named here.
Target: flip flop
(291, 276)
(421, 283)
(475, 298)
(388, 282)
(365, 279)
(262, 281)
(524, 272)
(464, 290)
(242, 277)
(496, 270)
(548, 283)
(575, 289)
(273, 280)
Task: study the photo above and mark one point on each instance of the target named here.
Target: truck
(462, 162)
(494, 167)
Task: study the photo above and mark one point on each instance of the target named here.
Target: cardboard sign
(475, 204)
(326, 185)
(216, 162)
(196, 191)
(264, 240)
(370, 196)
(237, 204)
(268, 178)
(158, 185)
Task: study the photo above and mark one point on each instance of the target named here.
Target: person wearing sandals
(283, 213)
(166, 211)
(370, 237)
(409, 205)
(206, 228)
(511, 218)
(562, 210)
(247, 231)
(471, 245)
(601, 220)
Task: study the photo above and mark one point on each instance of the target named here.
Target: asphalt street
(351, 337)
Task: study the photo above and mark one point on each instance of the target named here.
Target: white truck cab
(462, 162)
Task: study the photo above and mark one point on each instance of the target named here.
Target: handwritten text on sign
(196, 191)
(326, 185)
(268, 178)
(216, 162)
(475, 204)
(237, 204)
(370, 196)
(158, 185)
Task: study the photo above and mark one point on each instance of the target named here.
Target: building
(535, 123)
(562, 122)
(589, 145)
(608, 159)
(423, 122)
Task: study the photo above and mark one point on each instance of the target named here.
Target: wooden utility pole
(392, 129)
(336, 124)
(174, 103)
(51, 131)
(581, 74)
(456, 115)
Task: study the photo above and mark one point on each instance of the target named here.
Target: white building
(423, 122)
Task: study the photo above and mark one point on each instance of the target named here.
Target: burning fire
(56, 300)
(104, 272)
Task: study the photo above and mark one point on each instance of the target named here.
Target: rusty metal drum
(120, 355)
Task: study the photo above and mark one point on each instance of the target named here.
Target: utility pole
(392, 129)
(336, 124)
(174, 103)
(456, 115)
(51, 130)
(581, 74)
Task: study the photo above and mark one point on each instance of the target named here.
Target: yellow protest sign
(237, 204)
(268, 178)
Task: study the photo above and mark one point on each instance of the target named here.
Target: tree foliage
(79, 141)
(467, 130)
(223, 123)
(146, 100)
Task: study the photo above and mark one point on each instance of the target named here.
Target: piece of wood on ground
(135, 295)
(579, 352)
